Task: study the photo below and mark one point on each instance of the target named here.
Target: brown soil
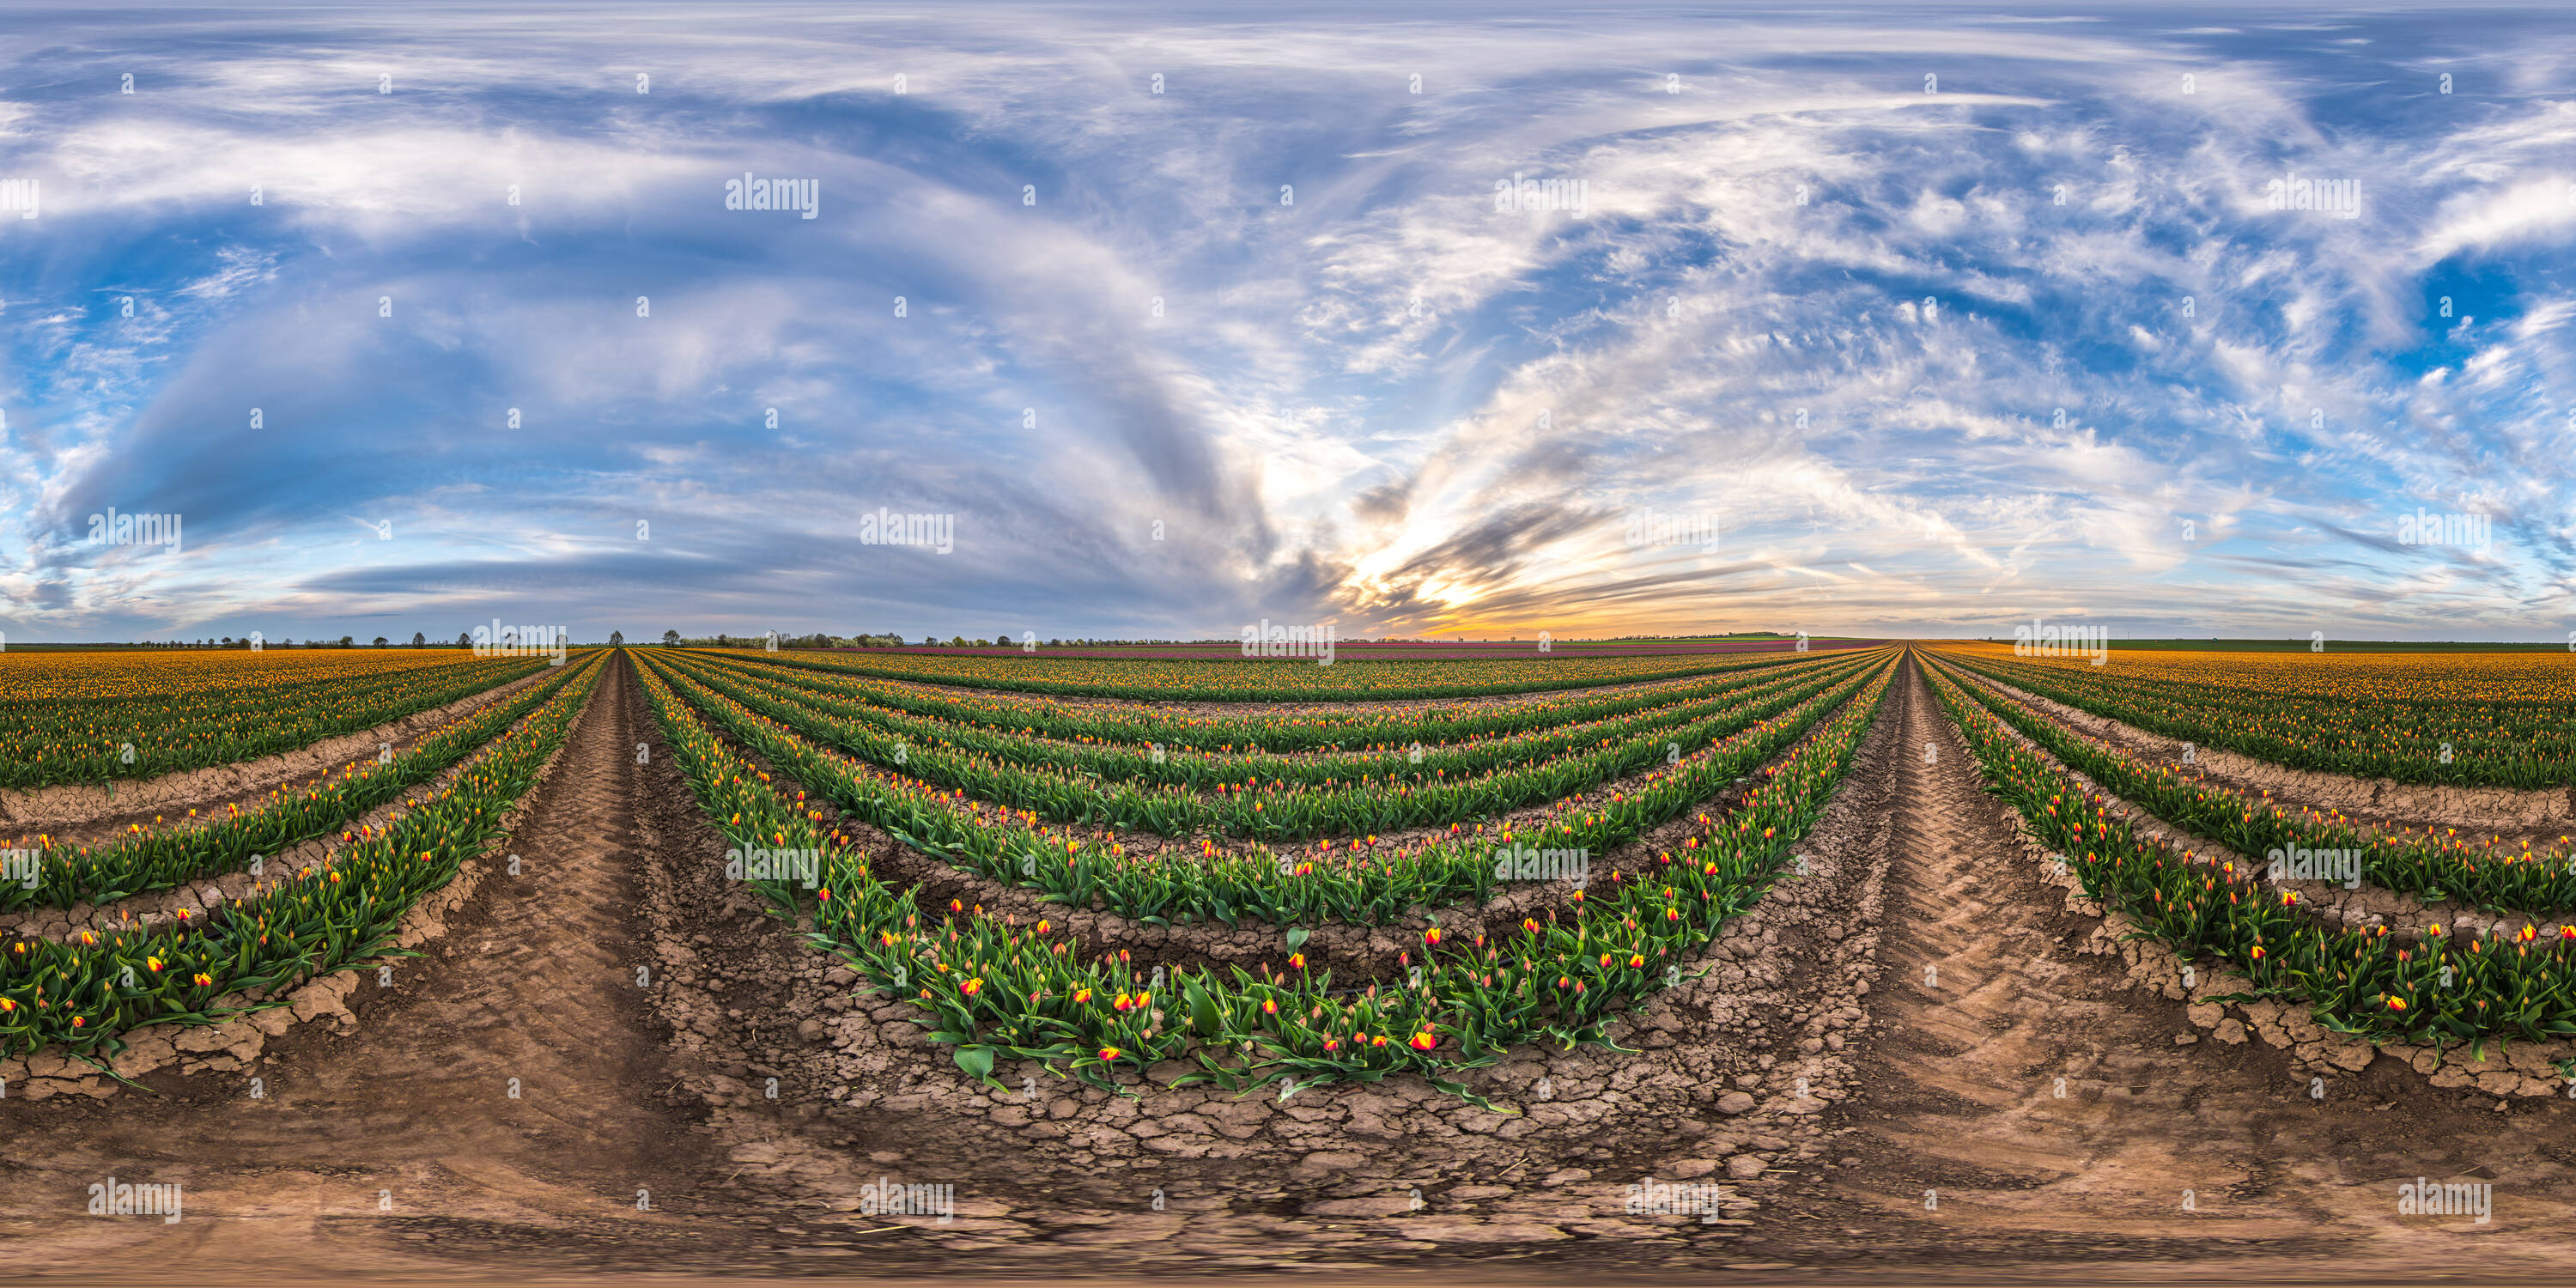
(664, 1087)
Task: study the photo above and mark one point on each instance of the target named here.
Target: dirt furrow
(2186, 1157)
(501, 1092)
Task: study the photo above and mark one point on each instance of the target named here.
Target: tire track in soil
(534, 980)
(1958, 1094)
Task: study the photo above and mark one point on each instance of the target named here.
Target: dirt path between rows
(1949, 1088)
(369, 1150)
(1970, 1141)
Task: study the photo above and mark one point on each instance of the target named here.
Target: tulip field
(2426, 986)
(91, 717)
(1212, 842)
(2478, 719)
(88, 988)
(1225, 679)
(144, 858)
(1231, 928)
(1343, 813)
(1330, 795)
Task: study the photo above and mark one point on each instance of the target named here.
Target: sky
(1165, 320)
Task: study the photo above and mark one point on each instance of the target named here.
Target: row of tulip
(2434, 867)
(2494, 743)
(994, 988)
(1267, 680)
(1358, 881)
(88, 716)
(1227, 773)
(146, 859)
(1334, 727)
(2368, 982)
(1269, 812)
(85, 991)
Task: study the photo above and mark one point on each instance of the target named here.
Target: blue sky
(1834, 276)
